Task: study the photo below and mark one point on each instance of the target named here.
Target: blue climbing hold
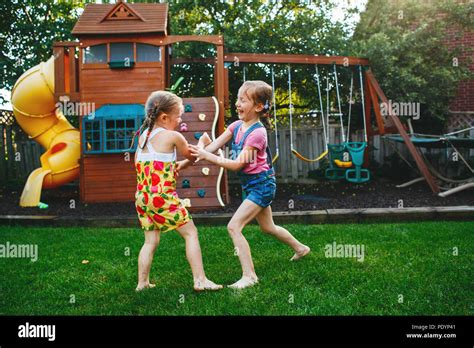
(188, 108)
(201, 193)
(186, 183)
(197, 135)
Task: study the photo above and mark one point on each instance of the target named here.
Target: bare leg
(145, 258)
(244, 214)
(265, 220)
(193, 254)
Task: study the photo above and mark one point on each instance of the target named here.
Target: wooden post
(72, 74)
(220, 86)
(375, 102)
(59, 90)
(413, 150)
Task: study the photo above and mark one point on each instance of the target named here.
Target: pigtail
(137, 134)
(151, 118)
(265, 116)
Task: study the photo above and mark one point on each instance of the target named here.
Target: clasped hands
(198, 150)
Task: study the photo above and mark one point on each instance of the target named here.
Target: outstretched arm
(203, 141)
(182, 147)
(219, 142)
(245, 157)
(211, 146)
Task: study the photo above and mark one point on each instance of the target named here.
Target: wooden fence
(19, 155)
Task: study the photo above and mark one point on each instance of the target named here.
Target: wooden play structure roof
(122, 18)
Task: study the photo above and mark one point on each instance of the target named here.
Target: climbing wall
(203, 183)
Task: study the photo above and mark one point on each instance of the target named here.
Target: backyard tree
(406, 44)
(285, 27)
(27, 31)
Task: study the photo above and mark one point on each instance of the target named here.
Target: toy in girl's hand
(204, 140)
(183, 127)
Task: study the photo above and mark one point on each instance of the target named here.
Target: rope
(325, 132)
(363, 101)
(277, 152)
(339, 105)
(293, 150)
(291, 107)
(350, 108)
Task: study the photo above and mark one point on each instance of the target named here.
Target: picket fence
(19, 155)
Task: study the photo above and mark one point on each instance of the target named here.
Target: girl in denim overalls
(251, 159)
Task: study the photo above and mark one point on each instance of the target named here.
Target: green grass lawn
(415, 261)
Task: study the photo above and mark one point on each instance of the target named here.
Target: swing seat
(357, 175)
(342, 164)
(356, 150)
(335, 173)
(301, 157)
(336, 152)
(275, 158)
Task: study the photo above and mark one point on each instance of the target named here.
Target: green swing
(357, 148)
(337, 166)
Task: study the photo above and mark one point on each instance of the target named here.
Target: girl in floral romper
(157, 203)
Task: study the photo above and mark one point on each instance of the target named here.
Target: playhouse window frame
(107, 129)
(103, 139)
(90, 120)
(135, 61)
(87, 54)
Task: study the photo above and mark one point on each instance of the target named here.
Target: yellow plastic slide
(36, 113)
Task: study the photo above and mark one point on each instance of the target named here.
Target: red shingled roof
(122, 18)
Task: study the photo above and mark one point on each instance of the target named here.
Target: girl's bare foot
(301, 253)
(141, 287)
(206, 285)
(244, 282)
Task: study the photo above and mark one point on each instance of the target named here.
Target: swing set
(352, 168)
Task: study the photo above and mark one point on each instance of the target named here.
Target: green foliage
(406, 44)
(286, 27)
(27, 32)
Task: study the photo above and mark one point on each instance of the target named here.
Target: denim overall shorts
(259, 188)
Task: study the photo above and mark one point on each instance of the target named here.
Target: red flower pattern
(158, 193)
(159, 219)
(173, 208)
(158, 202)
(158, 165)
(155, 179)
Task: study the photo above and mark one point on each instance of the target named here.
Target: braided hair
(158, 103)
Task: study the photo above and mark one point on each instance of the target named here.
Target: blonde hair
(260, 92)
(158, 103)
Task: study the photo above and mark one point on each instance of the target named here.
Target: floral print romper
(156, 200)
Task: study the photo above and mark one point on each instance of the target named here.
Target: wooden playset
(121, 56)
